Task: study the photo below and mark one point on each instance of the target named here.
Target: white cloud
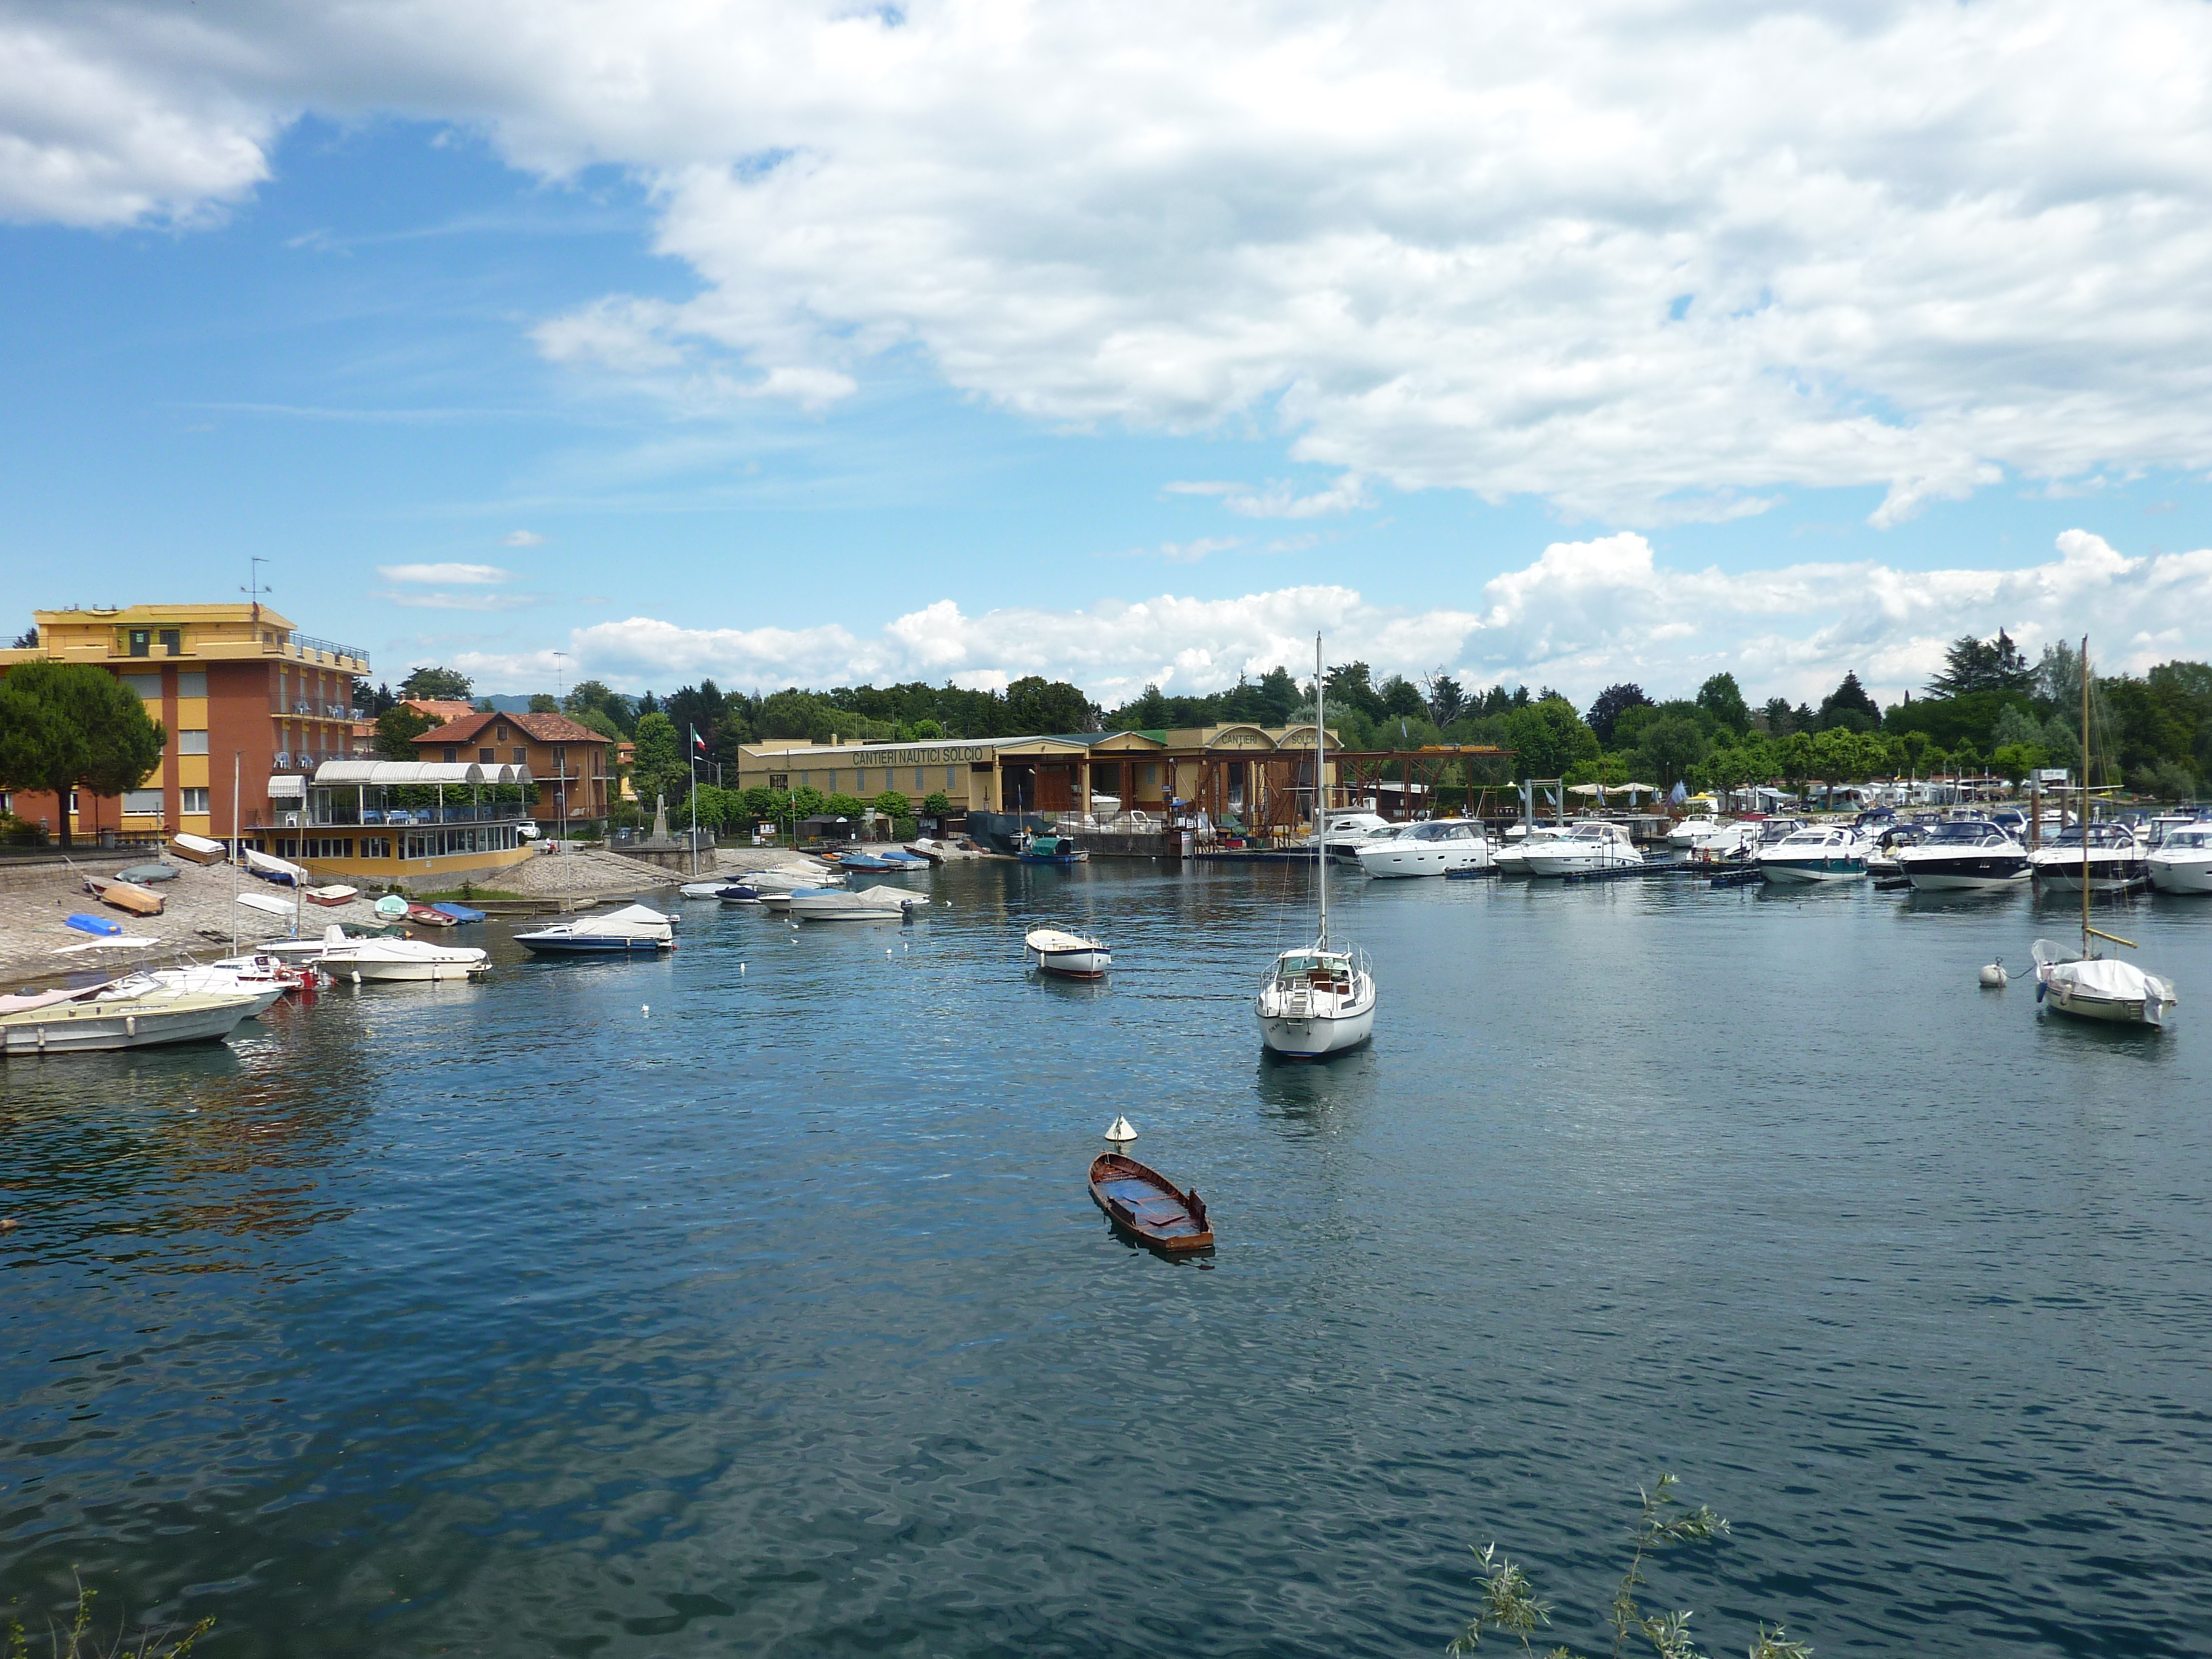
(1646, 259)
(473, 574)
(522, 538)
(1580, 616)
(1282, 500)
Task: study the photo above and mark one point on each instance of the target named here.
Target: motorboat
(1512, 859)
(1436, 847)
(2182, 862)
(1319, 999)
(858, 904)
(264, 989)
(2112, 862)
(1963, 854)
(702, 889)
(364, 960)
(79, 1021)
(1350, 831)
(634, 930)
(789, 878)
(1815, 852)
(868, 862)
(1051, 849)
(738, 892)
(1881, 859)
(1690, 831)
(1591, 844)
(1070, 954)
(1735, 842)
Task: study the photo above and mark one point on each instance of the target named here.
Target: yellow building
(235, 686)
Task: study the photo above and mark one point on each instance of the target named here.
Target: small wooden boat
(424, 916)
(460, 913)
(125, 895)
(1145, 1204)
(198, 849)
(1070, 954)
(336, 895)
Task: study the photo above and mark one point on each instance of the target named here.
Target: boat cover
(85, 924)
(268, 902)
(30, 1000)
(631, 921)
(459, 912)
(2111, 980)
(148, 873)
(276, 869)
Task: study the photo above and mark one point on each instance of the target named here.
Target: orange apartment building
(568, 761)
(232, 686)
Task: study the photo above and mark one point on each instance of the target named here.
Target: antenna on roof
(253, 588)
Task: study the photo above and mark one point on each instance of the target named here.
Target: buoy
(1120, 1130)
(1994, 975)
(646, 1010)
(741, 967)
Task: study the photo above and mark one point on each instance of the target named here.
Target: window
(195, 800)
(521, 754)
(951, 778)
(191, 743)
(376, 846)
(142, 642)
(502, 735)
(560, 759)
(326, 846)
(452, 753)
(172, 641)
(488, 757)
(779, 780)
(148, 686)
(192, 683)
(142, 804)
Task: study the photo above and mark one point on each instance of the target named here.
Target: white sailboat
(2084, 984)
(1319, 999)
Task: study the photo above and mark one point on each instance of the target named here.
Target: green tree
(761, 803)
(937, 804)
(435, 685)
(71, 726)
(2014, 761)
(588, 696)
(1848, 705)
(598, 720)
(397, 727)
(544, 702)
(1612, 704)
(893, 803)
(1721, 697)
(659, 769)
(1038, 706)
(1547, 737)
(1972, 665)
(843, 805)
(1669, 747)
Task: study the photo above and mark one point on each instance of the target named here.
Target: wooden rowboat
(125, 895)
(337, 895)
(423, 916)
(1146, 1205)
(198, 848)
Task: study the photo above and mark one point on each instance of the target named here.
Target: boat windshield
(1968, 833)
(1440, 832)
(1311, 964)
(2190, 838)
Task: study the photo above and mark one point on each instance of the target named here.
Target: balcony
(328, 651)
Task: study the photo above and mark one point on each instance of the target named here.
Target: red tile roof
(539, 728)
(439, 708)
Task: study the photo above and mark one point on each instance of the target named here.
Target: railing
(419, 817)
(309, 642)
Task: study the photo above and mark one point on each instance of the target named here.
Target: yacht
(1319, 999)
(1815, 852)
(1730, 843)
(2182, 862)
(1963, 854)
(1350, 831)
(1434, 848)
(1592, 844)
(1512, 859)
(1690, 831)
(2112, 862)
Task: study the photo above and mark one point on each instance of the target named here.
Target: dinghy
(198, 849)
(268, 904)
(280, 871)
(458, 912)
(336, 895)
(428, 916)
(90, 924)
(1144, 1204)
(125, 895)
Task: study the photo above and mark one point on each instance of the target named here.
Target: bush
(20, 832)
(937, 804)
(905, 829)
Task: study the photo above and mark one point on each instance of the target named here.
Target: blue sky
(490, 381)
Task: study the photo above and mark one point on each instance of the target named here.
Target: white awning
(460, 772)
(284, 785)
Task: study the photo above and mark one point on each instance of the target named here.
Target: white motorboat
(2112, 862)
(706, 890)
(2182, 862)
(1512, 859)
(283, 871)
(1690, 831)
(238, 977)
(1434, 848)
(364, 960)
(1962, 855)
(1350, 831)
(789, 878)
(1319, 1001)
(1731, 843)
(1815, 852)
(1591, 844)
(1070, 954)
(81, 1021)
(634, 930)
(857, 904)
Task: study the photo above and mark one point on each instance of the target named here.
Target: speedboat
(2099, 988)
(1816, 853)
(1434, 848)
(635, 929)
(860, 904)
(1348, 832)
(239, 977)
(2183, 860)
(1051, 849)
(1964, 855)
(2112, 863)
(83, 1021)
(1592, 844)
(1070, 954)
(704, 889)
(361, 960)
(739, 893)
(789, 878)
(1512, 859)
(1690, 831)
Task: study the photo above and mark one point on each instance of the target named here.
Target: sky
(813, 343)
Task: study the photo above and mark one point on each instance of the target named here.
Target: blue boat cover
(85, 924)
(458, 912)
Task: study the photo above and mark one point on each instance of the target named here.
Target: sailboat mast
(1320, 788)
(2085, 795)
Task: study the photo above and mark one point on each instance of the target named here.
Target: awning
(460, 772)
(284, 785)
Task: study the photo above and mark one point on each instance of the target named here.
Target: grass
(81, 1641)
(467, 895)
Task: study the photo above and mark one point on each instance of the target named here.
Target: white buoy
(1120, 1130)
(741, 967)
(1994, 975)
(646, 1010)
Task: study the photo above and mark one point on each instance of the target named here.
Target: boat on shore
(428, 916)
(1069, 954)
(283, 871)
(125, 895)
(335, 895)
(198, 849)
(1144, 1204)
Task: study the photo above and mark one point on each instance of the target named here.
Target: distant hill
(507, 705)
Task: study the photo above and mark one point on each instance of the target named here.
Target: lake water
(514, 1319)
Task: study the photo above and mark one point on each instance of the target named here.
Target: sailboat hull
(1316, 1035)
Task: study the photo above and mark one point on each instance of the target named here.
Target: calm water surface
(515, 1319)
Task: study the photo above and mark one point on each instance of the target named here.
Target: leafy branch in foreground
(79, 1641)
(1510, 1606)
